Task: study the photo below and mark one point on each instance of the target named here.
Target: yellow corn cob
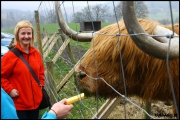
(75, 98)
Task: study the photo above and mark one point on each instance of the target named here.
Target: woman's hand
(61, 109)
(14, 93)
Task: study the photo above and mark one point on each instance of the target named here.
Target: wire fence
(61, 55)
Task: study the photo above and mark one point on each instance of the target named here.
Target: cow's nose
(81, 76)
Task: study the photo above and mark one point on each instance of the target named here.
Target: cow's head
(102, 62)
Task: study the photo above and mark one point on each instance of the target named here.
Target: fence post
(69, 48)
(148, 109)
(51, 82)
(38, 32)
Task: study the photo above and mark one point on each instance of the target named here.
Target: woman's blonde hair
(23, 24)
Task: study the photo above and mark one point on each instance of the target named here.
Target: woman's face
(25, 36)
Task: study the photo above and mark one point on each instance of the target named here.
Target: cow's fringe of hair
(150, 73)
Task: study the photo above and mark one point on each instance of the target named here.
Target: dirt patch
(158, 110)
(76, 52)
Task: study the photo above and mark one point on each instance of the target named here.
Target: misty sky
(34, 5)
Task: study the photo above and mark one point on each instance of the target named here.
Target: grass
(69, 89)
(8, 31)
(163, 15)
(61, 69)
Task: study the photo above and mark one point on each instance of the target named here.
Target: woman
(16, 79)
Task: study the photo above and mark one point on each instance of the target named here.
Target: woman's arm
(59, 110)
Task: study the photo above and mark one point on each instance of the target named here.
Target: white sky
(33, 5)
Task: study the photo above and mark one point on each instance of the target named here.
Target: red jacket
(16, 75)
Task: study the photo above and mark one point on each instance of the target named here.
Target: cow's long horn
(81, 37)
(157, 49)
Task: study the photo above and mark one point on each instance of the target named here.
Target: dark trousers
(28, 114)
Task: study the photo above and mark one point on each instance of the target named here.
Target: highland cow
(145, 76)
(143, 58)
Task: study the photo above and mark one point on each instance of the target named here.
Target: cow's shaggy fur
(145, 76)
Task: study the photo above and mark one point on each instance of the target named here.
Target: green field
(160, 16)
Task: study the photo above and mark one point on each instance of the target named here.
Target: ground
(158, 110)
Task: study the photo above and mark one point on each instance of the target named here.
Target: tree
(11, 15)
(176, 20)
(77, 17)
(100, 12)
(92, 13)
(52, 18)
(139, 6)
(42, 19)
(87, 12)
(164, 21)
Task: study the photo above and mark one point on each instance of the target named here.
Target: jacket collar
(31, 48)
